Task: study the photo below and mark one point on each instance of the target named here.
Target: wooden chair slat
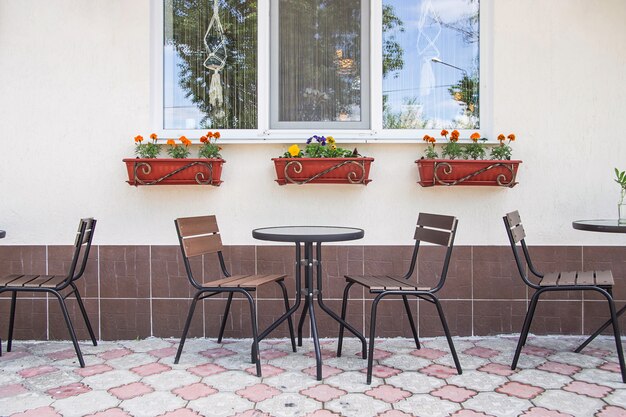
(585, 278)
(518, 233)
(604, 278)
(567, 278)
(438, 237)
(39, 281)
(436, 220)
(258, 280)
(243, 281)
(7, 279)
(53, 281)
(194, 226)
(550, 279)
(404, 284)
(368, 281)
(514, 218)
(19, 282)
(200, 245)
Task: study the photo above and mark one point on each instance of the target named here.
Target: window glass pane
(210, 64)
(319, 61)
(430, 64)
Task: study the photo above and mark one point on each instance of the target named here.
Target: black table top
(2, 234)
(308, 233)
(600, 225)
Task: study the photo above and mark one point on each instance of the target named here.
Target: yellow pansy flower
(294, 150)
(330, 140)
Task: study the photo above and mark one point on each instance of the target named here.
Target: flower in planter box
(320, 147)
(210, 149)
(178, 151)
(475, 150)
(147, 150)
(430, 149)
(503, 151)
(452, 149)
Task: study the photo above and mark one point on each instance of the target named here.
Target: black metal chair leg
(84, 313)
(411, 322)
(289, 321)
(11, 320)
(525, 328)
(70, 328)
(618, 340)
(256, 355)
(370, 358)
(447, 332)
(192, 307)
(344, 312)
(600, 330)
(305, 309)
(226, 311)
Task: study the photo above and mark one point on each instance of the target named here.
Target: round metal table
(600, 225)
(605, 226)
(308, 235)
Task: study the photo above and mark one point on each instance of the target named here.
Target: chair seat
(378, 283)
(31, 281)
(577, 278)
(243, 281)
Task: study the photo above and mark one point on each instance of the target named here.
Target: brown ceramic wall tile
(169, 316)
(498, 317)
(557, 258)
(22, 260)
(608, 258)
(125, 319)
(30, 318)
(58, 328)
(124, 271)
(387, 260)
(169, 276)
(239, 259)
(495, 274)
(268, 311)
(238, 323)
(59, 262)
(278, 260)
(329, 327)
(557, 317)
(458, 315)
(391, 318)
(458, 283)
(596, 313)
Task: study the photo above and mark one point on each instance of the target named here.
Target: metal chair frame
(206, 291)
(432, 228)
(516, 234)
(55, 284)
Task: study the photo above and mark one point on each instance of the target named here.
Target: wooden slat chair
(432, 228)
(200, 236)
(597, 281)
(56, 284)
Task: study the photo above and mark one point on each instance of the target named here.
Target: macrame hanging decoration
(215, 43)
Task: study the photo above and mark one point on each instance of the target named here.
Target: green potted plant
(179, 169)
(322, 162)
(466, 164)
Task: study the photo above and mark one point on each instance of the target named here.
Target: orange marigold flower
(184, 140)
(204, 139)
(511, 137)
(209, 134)
(475, 136)
(171, 142)
(432, 140)
(216, 135)
(455, 134)
(138, 138)
(501, 137)
(444, 132)
(426, 138)
(153, 136)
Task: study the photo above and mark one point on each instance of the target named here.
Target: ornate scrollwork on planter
(498, 173)
(168, 171)
(352, 176)
(322, 170)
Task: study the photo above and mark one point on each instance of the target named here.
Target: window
(358, 69)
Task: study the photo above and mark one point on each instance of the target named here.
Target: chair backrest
(439, 230)
(82, 246)
(517, 234)
(199, 236)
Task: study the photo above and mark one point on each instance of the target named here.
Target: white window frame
(375, 134)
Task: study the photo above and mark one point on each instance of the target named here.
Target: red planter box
(172, 171)
(322, 170)
(499, 173)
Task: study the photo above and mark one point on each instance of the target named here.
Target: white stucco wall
(75, 90)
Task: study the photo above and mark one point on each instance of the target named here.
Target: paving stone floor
(139, 378)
